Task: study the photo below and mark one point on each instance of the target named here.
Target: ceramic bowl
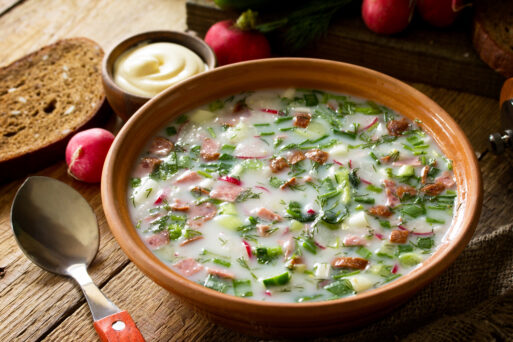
(125, 103)
(291, 319)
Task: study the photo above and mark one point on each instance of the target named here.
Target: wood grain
(36, 23)
(36, 305)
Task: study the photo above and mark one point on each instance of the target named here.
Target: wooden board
(36, 306)
(442, 58)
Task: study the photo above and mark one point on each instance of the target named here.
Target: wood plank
(159, 315)
(34, 24)
(442, 58)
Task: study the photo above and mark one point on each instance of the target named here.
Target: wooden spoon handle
(506, 91)
(119, 327)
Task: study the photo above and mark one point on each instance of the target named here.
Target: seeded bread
(45, 97)
(493, 34)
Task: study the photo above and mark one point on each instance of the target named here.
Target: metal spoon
(57, 230)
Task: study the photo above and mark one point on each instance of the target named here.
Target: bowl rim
(165, 276)
(150, 36)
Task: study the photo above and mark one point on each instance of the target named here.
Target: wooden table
(38, 306)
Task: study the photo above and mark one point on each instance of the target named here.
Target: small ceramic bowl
(125, 103)
(291, 319)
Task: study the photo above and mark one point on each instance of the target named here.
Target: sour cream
(149, 68)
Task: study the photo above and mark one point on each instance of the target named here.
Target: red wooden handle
(119, 327)
(507, 91)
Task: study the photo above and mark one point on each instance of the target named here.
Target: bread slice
(493, 34)
(45, 97)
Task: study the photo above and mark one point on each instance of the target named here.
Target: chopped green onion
(281, 279)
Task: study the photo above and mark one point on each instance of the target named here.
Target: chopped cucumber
(281, 279)
(386, 251)
(406, 171)
(358, 220)
(229, 221)
(410, 259)
(360, 282)
(201, 115)
(313, 131)
(227, 208)
(322, 271)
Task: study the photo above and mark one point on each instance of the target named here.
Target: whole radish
(236, 42)
(440, 13)
(86, 152)
(387, 16)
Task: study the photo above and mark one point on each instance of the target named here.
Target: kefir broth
(292, 195)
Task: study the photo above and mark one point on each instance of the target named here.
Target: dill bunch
(297, 27)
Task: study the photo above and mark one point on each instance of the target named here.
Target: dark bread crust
(46, 97)
(493, 34)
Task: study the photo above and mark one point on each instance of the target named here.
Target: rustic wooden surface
(36, 305)
(442, 58)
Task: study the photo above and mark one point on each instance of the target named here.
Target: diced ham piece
(349, 262)
(390, 188)
(354, 240)
(295, 157)
(192, 239)
(413, 161)
(302, 120)
(278, 164)
(209, 149)
(317, 156)
(288, 183)
(161, 147)
(433, 189)
(220, 273)
(188, 177)
(402, 190)
(199, 214)
(446, 179)
(263, 229)
(397, 127)
(146, 166)
(287, 246)
(399, 236)
(188, 266)
(226, 191)
(424, 174)
(179, 205)
(380, 210)
(158, 240)
(267, 214)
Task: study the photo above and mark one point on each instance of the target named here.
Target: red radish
(440, 13)
(86, 152)
(236, 42)
(387, 16)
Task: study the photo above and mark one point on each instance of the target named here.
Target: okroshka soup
(292, 195)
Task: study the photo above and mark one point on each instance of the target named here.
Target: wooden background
(38, 306)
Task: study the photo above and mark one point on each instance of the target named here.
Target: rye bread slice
(493, 34)
(45, 97)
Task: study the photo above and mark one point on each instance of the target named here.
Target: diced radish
(248, 248)
(262, 188)
(270, 111)
(395, 269)
(365, 181)
(370, 125)
(268, 293)
(230, 180)
(248, 157)
(379, 236)
(310, 212)
(319, 245)
(350, 164)
(337, 162)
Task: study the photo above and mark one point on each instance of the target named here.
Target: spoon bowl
(54, 225)
(57, 230)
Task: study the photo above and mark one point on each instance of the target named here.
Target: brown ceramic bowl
(290, 319)
(125, 103)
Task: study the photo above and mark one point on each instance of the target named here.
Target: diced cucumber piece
(406, 171)
(313, 131)
(358, 220)
(201, 115)
(242, 288)
(360, 282)
(289, 93)
(342, 178)
(227, 208)
(278, 280)
(296, 226)
(340, 287)
(228, 221)
(386, 251)
(410, 259)
(322, 271)
(216, 283)
(339, 150)
(380, 269)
